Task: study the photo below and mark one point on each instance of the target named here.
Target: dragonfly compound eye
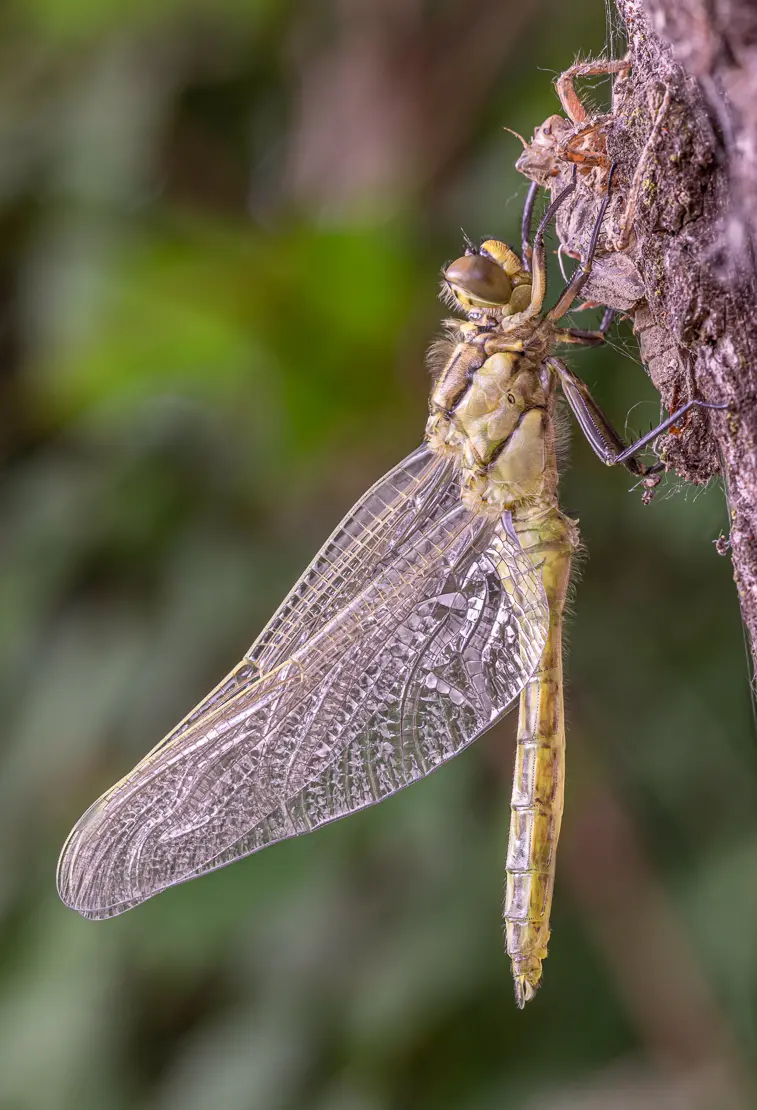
(479, 279)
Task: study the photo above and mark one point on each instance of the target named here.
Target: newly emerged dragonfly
(436, 603)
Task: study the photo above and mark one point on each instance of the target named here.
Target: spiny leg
(673, 418)
(586, 338)
(601, 436)
(581, 276)
(578, 149)
(571, 102)
(538, 254)
(525, 224)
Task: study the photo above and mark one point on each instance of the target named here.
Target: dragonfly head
(489, 279)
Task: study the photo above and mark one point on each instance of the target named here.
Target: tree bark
(696, 235)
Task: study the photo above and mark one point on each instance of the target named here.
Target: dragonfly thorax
(491, 411)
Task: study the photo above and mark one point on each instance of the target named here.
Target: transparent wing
(400, 504)
(412, 631)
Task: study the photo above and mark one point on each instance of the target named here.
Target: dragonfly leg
(581, 276)
(607, 318)
(572, 104)
(602, 437)
(538, 254)
(584, 337)
(525, 224)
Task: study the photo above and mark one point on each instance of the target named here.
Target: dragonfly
(434, 606)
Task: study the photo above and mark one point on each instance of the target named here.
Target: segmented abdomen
(539, 777)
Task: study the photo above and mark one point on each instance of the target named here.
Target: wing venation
(412, 631)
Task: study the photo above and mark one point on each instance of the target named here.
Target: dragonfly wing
(397, 508)
(401, 504)
(397, 672)
(466, 671)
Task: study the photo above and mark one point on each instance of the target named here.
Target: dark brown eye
(480, 278)
(511, 398)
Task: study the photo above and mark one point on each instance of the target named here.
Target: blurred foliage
(222, 226)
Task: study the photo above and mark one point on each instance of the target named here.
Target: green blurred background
(222, 230)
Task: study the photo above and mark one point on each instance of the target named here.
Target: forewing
(397, 672)
(473, 649)
(400, 505)
(394, 512)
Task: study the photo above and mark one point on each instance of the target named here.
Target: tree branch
(696, 230)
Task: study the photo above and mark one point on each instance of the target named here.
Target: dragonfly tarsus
(599, 432)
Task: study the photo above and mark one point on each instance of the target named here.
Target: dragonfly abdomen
(548, 539)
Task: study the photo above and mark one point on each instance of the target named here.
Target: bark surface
(696, 235)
